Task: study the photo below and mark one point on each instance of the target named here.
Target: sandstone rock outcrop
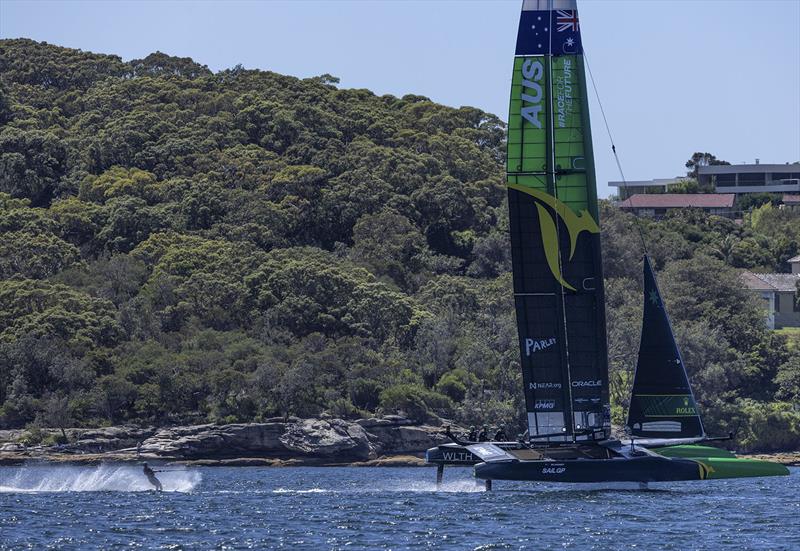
(279, 440)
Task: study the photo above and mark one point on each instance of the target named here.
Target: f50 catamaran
(558, 292)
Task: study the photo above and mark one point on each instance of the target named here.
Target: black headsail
(662, 403)
(555, 238)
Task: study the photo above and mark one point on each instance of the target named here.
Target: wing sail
(555, 235)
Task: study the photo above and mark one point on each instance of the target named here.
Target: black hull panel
(635, 469)
(451, 454)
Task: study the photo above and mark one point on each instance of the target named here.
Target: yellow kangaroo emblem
(705, 470)
(576, 223)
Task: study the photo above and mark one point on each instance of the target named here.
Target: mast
(555, 237)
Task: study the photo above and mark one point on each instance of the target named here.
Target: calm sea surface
(108, 507)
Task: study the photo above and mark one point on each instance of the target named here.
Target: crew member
(151, 477)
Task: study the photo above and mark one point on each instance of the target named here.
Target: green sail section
(527, 126)
(555, 241)
(572, 151)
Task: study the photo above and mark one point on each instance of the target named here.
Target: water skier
(151, 477)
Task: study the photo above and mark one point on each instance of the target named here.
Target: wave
(309, 491)
(101, 478)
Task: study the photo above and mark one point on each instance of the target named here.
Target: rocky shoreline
(279, 442)
(386, 441)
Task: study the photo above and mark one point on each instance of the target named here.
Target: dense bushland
(181, 246)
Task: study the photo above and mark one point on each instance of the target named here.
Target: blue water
(107, 507)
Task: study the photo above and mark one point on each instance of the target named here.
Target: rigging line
(637, 222)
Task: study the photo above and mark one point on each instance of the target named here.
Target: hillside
(183, 246)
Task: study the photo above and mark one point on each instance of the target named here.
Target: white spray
(102, 478)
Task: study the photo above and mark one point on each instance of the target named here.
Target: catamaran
(559, 302)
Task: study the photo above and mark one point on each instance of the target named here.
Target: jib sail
(662, 403)
(555, 238)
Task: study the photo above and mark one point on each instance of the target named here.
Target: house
(657, 185)
(657, 205)
(791, 201)
(779, 295)
(751, 178)
(736, 179)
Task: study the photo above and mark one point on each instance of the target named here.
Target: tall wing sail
(555, 238)
(662, 403)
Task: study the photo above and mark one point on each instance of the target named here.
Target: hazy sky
(674, 76)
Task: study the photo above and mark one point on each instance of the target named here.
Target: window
(726, 180)
(752, 179)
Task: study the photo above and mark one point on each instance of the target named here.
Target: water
(107, 507)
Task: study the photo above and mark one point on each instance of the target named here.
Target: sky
(674, 77)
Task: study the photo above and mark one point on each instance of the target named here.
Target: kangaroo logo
(576, 223)
(705, 470)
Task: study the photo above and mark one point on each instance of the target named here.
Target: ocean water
(110, 507)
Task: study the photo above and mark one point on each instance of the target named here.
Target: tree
(390, 245)
(56, 413)
(31, 164)
(699, 159)
(35, 256)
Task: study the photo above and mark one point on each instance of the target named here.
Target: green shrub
(455, 384)
(33, 436)
(415, 401)
(344, 409)
(365, 393)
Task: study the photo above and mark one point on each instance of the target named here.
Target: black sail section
(558, 283)
(662, 403)
(539, 309)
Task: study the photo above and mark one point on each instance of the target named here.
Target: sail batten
(555, 237)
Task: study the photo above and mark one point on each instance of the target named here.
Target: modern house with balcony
(755, 178)
(736, 179)
(642, 187)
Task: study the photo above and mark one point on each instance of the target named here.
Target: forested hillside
(182, 246)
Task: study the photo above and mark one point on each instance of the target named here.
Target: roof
(648, 183)
(748, 168)
(790, 198)
(679, 200)
(770, 282)
(794, 259)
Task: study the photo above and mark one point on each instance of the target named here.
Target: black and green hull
(662, 464)
(628, 469)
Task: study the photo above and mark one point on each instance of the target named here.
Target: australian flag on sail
(544, 32)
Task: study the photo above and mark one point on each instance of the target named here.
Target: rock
(393, 439)
(393, 461)
(281, 441)
(785, 458)
(330, 438)
(388, 421)
(217, 441)
(105, 439)
(238, 462)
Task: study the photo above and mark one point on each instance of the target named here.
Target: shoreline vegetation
(180, 247)
(392, 441)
